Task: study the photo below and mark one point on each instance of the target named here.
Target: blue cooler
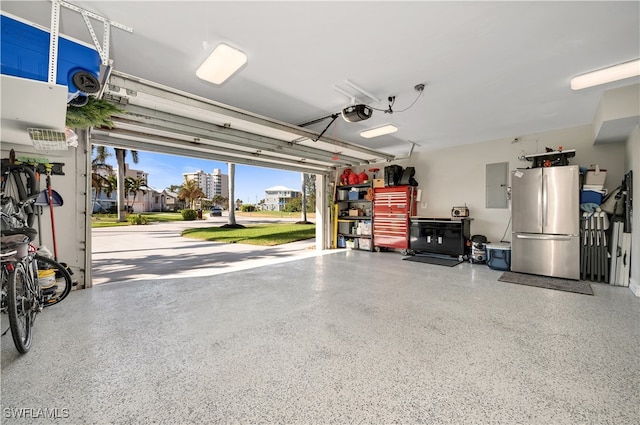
(591, 197)
(499, 256)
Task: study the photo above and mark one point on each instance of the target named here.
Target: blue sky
(251, 182)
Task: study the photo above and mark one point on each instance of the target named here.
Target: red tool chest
(392, 209)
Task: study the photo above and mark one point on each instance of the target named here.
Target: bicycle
(30, 282)
(20, 283)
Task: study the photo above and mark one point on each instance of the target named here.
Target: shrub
(247, 208)
(189, 215)
(137, 219)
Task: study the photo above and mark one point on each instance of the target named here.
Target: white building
(214, 184)
(276, 197)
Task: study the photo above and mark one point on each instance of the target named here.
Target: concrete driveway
(157, 251)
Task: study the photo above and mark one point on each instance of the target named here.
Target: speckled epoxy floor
(352, 337)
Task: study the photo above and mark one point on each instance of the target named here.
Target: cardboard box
(355, 212)
(378, 182)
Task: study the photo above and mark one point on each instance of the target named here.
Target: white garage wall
(453, 177)
(633, 163)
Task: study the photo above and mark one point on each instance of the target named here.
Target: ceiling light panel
(221, 64)
(379, 131)
(606, 75)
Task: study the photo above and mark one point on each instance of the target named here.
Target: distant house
(147, 199)
(172, 203)
(277, 197)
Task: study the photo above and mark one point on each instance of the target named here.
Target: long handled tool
(583, 254)
(51, 198)
(605, 251)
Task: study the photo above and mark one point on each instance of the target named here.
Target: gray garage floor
(351, 337)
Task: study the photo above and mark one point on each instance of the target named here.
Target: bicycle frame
(6, 257)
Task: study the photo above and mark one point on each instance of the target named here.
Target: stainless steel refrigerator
(545, 211)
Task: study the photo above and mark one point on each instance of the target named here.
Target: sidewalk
(158, 251)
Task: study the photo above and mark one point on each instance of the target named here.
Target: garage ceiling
(492, 69)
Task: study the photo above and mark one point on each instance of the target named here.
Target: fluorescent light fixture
(379, 131)
(221, 64)
(606, 75)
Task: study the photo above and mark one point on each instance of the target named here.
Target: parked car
(215, 212)
(25, 54)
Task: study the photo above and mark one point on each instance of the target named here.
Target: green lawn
(263, 234)
(111, 220)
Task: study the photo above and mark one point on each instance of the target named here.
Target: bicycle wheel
(61, 289)
(20, 302)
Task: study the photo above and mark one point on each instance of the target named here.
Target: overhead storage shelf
(29, 103)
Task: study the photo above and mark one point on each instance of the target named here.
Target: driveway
(157, 251)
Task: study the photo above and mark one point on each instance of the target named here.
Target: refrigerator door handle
(545, 237)
(544, 200)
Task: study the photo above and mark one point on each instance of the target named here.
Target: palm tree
(190, 192)
(303, 219)
(231, 222)
(308, 188)
(120, 157)
(219, 200)
(133, 186)
(99, 168)
(113, 184)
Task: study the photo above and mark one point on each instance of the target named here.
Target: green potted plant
(96, 113)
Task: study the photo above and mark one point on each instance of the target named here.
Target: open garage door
(161, 119)
(157, 118)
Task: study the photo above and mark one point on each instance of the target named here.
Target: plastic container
(598, 187)
(591, 197)
(46, 278)
(595, 177)
(25, 54)
(499, 256)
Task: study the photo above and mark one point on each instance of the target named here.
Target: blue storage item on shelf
(25, 54)
(591, 197)
(353, 195)
(499, 256)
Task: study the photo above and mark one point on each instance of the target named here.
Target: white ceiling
(491, 69)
